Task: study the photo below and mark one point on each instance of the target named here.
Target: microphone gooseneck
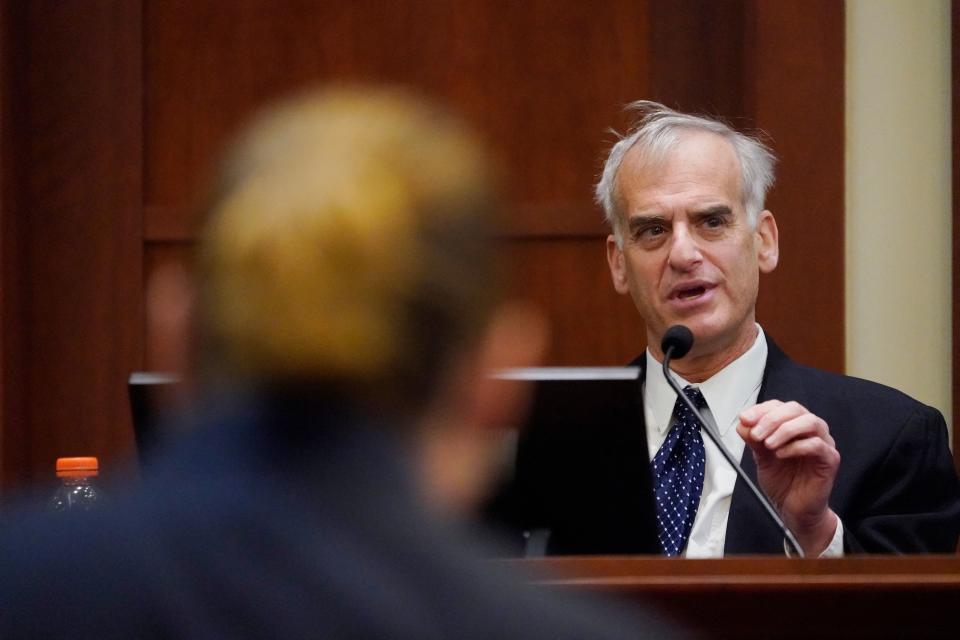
(676, 343)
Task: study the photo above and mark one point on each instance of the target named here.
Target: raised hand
(797, 462)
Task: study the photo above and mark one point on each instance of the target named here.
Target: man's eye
(714, 222)
(653, 231)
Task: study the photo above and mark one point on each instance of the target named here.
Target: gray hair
(658, 131)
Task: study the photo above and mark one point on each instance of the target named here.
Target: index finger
(749, 417)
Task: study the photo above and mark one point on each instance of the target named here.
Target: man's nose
(684, 250)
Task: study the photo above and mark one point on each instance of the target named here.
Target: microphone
(676, 343)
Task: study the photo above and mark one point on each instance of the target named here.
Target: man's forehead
(689, 149)
(698, 159)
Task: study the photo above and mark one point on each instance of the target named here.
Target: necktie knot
(696, 397)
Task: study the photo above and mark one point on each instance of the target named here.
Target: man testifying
(851, 466)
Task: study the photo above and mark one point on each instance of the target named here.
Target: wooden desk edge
(638, 572)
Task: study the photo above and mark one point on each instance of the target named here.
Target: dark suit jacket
(896, 490)
(283, 519)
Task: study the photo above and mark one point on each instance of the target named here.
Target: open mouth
(691, 292)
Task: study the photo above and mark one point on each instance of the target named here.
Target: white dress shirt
(730, 391)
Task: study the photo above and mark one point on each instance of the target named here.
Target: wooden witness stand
(763, 597)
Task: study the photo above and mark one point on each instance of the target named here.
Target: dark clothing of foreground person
(276, 521)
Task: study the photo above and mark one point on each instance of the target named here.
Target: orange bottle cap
(77, 467)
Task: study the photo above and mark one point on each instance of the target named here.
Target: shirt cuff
(833, 550)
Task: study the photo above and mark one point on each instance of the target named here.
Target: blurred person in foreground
(346, 319)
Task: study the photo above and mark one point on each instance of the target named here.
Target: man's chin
(706, 336)
(702, 329)
(710, 339)
(709, 331)
(703, 337)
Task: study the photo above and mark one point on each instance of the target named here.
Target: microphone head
(679, 338)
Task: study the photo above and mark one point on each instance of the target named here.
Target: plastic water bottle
(77, 491)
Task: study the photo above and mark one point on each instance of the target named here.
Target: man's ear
(618, 269)
(767, 242)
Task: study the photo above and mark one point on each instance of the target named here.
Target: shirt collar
(726, 393)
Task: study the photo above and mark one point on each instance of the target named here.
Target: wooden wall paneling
(776, 67)
(16, 433)
(795, 80)
(8, 302)
(697, 57)
(78, 150)
(568, 278)
(542, 80)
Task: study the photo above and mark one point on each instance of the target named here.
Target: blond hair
(347, 242)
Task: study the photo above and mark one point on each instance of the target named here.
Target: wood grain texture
(795, 80)
(121, 107)
(8, 302)
(569, 279)
(180, 224)
(776, 68)
(854, 597)
(543, 83)
(541, 80)
(697, 57)
(78, 265)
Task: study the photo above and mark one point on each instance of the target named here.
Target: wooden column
(72, 288)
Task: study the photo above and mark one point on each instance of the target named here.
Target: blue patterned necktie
(678, 476)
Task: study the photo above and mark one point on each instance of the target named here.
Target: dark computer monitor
(582, 482)
(149, 394)
(579, 481)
